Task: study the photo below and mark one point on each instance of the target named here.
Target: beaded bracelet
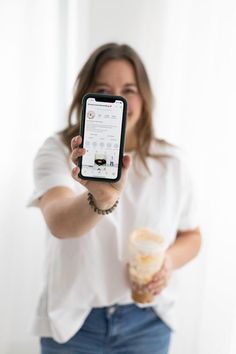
(96, 209)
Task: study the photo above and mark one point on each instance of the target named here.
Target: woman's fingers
(75, 142)
(156, 288)
(126, 161)
(108, 191)
(76, 153)
(160, 275)
(157, 285)
(75, 175)
(160, 280)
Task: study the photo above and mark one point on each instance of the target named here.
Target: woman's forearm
(70, 216)
(185, 248)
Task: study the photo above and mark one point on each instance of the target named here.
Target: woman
(86, 305)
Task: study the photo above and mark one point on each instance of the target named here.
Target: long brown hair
(85, 80)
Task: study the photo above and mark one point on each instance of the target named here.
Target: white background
(189, 48)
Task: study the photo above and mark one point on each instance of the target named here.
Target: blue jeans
(125, 329)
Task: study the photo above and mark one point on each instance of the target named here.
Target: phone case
(100, 159)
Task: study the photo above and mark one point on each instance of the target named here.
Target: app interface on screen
(102, 132)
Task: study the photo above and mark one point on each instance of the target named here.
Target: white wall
(40, 49)
(29, 88)
(190, 52)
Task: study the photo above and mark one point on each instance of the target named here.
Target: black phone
(102, 127)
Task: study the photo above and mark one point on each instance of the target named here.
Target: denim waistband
(116, 308)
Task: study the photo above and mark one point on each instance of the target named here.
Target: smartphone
(102, 127)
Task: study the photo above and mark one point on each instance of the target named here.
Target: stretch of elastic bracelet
(96, 209)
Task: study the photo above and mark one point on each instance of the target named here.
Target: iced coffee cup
(146, 256)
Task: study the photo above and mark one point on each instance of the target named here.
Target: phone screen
(103, 124)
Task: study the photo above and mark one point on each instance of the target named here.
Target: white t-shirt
(90, 271)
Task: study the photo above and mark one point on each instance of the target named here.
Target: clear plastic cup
(146, 256)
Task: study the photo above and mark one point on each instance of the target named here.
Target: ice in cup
(146, 256)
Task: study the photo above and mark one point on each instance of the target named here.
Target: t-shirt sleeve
(51, 168)
(189, 207)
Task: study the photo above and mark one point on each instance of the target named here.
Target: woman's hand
(161, 279)
(104, 194)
